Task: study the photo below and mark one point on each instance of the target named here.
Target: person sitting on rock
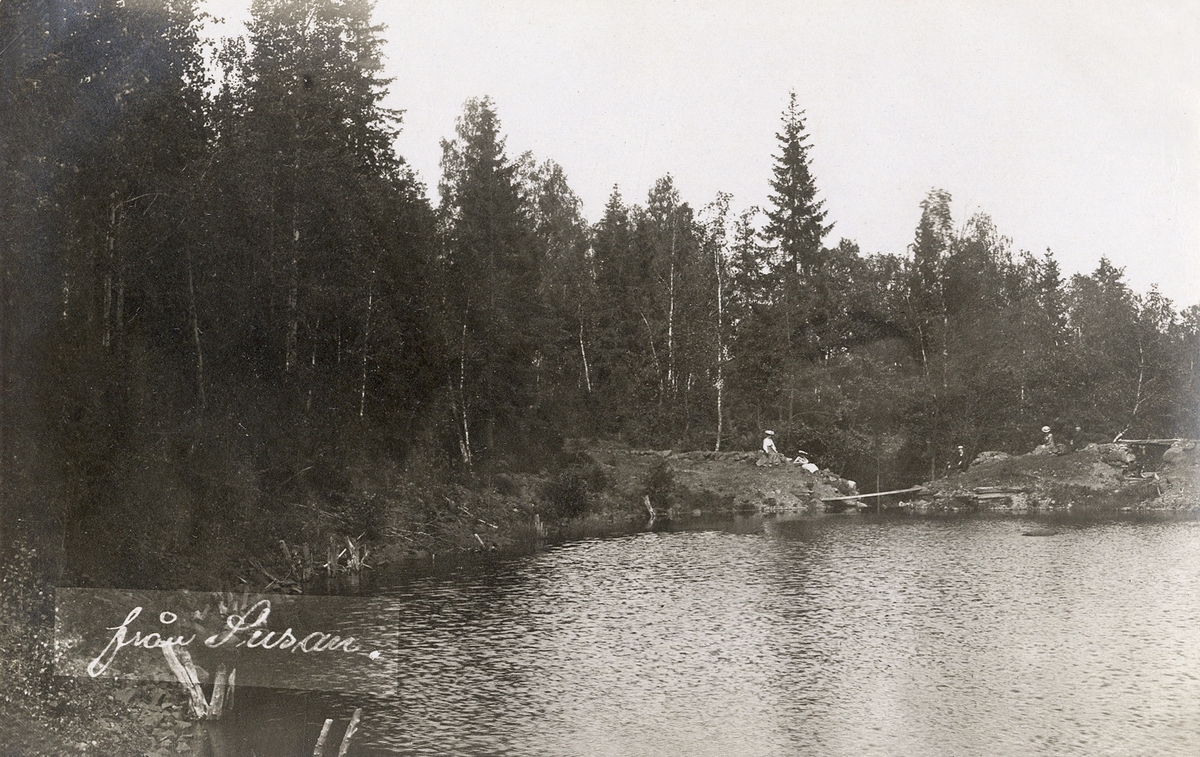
(770, 454)
(769, 443)
(1047, 445)
(958, 461)
(1076, 439)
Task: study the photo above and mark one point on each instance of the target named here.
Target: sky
(1074, 125)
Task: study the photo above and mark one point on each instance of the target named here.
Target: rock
(984, 457)
(1174, 454)
(1118, 454)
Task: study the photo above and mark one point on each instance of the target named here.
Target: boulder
(984, 457)
(1117, 454)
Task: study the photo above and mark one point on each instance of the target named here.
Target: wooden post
(320, 748)
(181, 665)
(350, 730)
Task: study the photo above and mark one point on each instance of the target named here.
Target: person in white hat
(769, 443)
(958, 460)
(1049, 437)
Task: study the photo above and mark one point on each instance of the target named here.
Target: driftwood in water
(350, 730)
(217, 702)
(356, 559)
(230, 688)
(355, 553)
(186, 674)
(319, 750)
(182, 667)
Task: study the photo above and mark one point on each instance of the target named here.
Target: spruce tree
(796, 218)
(493, 271)
(795, 227)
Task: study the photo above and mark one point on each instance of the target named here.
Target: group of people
(773, 456)
(958, 459)
(1049, 447)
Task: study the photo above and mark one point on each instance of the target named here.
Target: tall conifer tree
(796, 218)
(493, 277)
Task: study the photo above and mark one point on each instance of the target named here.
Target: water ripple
(811, 636)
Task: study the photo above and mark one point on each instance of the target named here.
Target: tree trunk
(195, 323)
(458, 404)
(671, 317)
(293, 293)
(293, 301)
(654, 354)
(720, 347)
(362, 397)
(587, 375)
(110, 239)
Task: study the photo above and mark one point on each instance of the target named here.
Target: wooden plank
(873, 494)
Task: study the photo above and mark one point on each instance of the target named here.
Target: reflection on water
(833, 635)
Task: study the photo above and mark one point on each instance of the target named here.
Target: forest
(223, 290)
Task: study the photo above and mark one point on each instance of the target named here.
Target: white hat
(1045, 429)
(772, 433)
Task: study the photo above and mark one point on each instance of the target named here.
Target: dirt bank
(707, 483)
(1103, 476)
(600, 487)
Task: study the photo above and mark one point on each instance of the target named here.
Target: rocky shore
(610, 488)
(1159, 475)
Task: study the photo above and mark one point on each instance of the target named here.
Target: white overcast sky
(1074, 125)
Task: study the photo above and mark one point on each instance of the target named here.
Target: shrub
(567, 493)
(659, 486)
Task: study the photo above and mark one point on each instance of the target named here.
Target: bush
(567, 493)
(42, 714)
(659, 486)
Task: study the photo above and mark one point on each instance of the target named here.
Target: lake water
(818, 635)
